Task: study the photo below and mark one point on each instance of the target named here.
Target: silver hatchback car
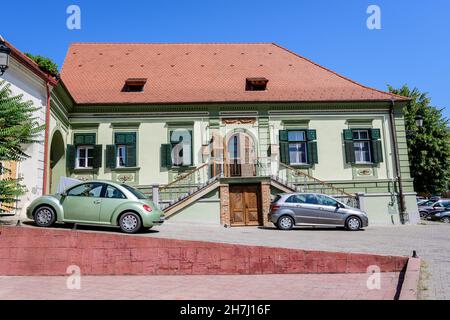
(313, 209)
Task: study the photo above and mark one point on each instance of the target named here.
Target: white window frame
(119, 147)
(362, 141)
(77, 160)
(304, 142)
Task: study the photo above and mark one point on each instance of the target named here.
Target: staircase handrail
(329, 185)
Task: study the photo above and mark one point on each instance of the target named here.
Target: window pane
(297, 153)
(113, 193)
(361, 135)
(121, 154)
(82, 152)
(296, 135)
(90, 152)
(326, 201)
(362, 151)
(364, 135)
(311, 199)
(86, 190)
(81, 162)
(90, 162)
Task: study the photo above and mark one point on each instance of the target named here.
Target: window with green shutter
(84, 153)
(298, 147)
(125, 149)
(363, 146)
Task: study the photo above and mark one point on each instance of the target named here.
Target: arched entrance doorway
(240, 155)
(57, 161)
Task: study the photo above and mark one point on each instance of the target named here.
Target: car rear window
(134, 191)
(277, 198)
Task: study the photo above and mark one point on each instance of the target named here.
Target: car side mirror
(64, 194)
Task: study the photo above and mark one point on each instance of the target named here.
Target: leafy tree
(18, 127)
(428, 147)
(45, 64)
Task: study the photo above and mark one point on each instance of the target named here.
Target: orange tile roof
(95, 73)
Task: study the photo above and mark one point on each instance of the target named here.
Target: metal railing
(185, 185)
(303, 182)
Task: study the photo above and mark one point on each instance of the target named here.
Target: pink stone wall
(26, 251)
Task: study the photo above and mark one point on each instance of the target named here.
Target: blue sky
(412, 47)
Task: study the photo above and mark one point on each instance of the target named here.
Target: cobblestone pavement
(256, 287)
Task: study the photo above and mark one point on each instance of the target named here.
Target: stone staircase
(195, 184)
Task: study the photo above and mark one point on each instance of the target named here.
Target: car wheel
(423, 214)
(445, 220)
(130, 222)
(45, 216)
(353, 224)
(285, 223)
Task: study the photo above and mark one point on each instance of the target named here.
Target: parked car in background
(97, 203)
(312, 209)
(433, 207)
(442, 216)
(420, 199)
(425, 202)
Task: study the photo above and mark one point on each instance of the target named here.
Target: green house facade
(214, 131)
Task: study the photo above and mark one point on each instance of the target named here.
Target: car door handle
(97, 201)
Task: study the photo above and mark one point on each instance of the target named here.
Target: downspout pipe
(397, 164)
(46, 144)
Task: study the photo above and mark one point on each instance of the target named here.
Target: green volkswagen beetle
(97, 203)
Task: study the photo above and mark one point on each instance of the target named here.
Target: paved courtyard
(264, 287)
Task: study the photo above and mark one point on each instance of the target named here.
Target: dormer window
(134, 85)
(256, 84)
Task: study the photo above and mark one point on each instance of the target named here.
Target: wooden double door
(245, 205)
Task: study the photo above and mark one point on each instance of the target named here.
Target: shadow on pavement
(90, 228)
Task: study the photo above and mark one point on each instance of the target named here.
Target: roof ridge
(339, 75)
(172, 43)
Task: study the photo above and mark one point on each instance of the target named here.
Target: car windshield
(427, 203)
(135, 192)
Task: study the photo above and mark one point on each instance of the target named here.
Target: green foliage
(45, 64)
(17, 129)
(428, 147)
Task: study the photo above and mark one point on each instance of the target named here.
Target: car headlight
(437, 214)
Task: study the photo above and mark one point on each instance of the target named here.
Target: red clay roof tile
(95, 73)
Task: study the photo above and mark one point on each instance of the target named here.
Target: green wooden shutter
(120, 138)
(348, 134)
(166, 155)
(313, 157)
(375, 134)
(311, 135)
(284, 152)
(349, 152)
(283, 135)
(111, 156)
(377, 151)
(84, 139)
(98, 156)
(71, 155)
(131, 155)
